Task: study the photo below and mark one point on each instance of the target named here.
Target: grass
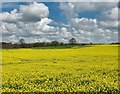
(75, 69)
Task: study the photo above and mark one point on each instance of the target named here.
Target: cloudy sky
(88, 22)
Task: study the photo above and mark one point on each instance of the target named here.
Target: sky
(87, 22)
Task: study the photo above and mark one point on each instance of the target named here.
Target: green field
(92, 68)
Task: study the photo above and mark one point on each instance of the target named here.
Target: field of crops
(92, 68)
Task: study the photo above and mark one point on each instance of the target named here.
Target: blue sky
(9, 6)
(55, 12)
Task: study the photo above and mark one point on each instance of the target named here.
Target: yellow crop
(92, 68)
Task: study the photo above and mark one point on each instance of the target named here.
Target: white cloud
(34, 12)
(43, 25)
(71, 9)
(84, 23)
(27, 13)
(108, 24)
(109, 19)
(64, 33)
(111, 14)
(92, 30)
(10, 17)
(31, 22)
(27, 22)
(89, 30)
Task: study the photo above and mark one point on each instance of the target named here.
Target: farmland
(92, 68)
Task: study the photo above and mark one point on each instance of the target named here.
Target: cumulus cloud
(88, 30)
(26, 22)
(11, 17)
(111, 14)
(109, 19)
(71, 9)
(27, 13)
(32, 23)
(102, 29)
(34, 12)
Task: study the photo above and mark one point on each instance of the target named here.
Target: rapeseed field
(92, 68)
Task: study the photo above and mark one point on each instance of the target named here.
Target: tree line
(22, 44)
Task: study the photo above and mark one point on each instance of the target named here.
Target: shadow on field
(61, 47)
